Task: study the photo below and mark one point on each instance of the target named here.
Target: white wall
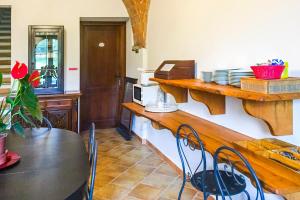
(61, 12)
(223, 34)
(227, 34)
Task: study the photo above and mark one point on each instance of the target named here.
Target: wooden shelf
(275, 109)
(226, 90)
(275, 178)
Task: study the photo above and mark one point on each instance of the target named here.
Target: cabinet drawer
(60, 103)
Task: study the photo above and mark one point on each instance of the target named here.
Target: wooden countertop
(276, 178)
(226, 90)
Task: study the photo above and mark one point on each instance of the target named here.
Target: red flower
(19, 71)
(35, 78)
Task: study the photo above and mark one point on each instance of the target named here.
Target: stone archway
(138, 13)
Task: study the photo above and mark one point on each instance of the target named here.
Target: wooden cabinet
(61, 110)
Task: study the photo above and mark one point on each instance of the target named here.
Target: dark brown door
(102, 73)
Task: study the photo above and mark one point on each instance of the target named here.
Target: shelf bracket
(180, 94)
(277, 114)
(157, 126)
(214, 102)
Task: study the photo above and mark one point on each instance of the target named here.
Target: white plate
(241, 70)
(221, 78)
(241, 75)
(222, 82)
(222, 70)
(234, 82)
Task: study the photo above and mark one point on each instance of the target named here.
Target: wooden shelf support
(157, 126)
(214, 102)
(277, 114)
(180, 94)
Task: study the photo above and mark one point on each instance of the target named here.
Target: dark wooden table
(54, 165)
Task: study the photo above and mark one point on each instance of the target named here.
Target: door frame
(122, 70)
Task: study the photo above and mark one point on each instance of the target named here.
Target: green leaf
(2, 127)
(9, 100)
(1, 78)
(26, 118)
(17, 127)
(31, 103)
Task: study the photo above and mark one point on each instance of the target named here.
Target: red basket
(268, 72)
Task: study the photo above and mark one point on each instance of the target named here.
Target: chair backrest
(91, 141)
(49, 125)
(232, 159)
(93, 170)
(188, 141)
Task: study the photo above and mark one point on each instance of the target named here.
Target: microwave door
(137, 94)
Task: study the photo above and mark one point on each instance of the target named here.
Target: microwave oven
(144, 95)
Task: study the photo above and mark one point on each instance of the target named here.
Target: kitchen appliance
(176, 69)
(145, 76)
(144, 95)
(163, 104)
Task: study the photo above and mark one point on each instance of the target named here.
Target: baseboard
(160, 154)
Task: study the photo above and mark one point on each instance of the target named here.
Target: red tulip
(19, 70)
(34, 78)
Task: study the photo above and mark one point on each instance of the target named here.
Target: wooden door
(102, 73)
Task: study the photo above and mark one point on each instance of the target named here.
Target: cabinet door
(60, 118)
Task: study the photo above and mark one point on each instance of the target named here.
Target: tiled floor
(131, 171)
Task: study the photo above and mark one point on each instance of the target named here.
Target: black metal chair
(188, 140)
(91, 141)
(49, 125)
(230, 182)
(202, 179)
(94, 156)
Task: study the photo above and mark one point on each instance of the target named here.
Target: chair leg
(181, 189)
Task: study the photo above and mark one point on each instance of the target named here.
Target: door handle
(118, 79)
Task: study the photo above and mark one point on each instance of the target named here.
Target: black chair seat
(235, 185)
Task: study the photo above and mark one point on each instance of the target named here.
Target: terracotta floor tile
(136, 153)
(142, 170)
(102, 180)
(143, 191)
(127, 161)
(165, 169)
(172, 192)
(187, 184)
(158, 180)
(128, 180)
(151, 160)
(144, 149)
(131, 198)
(104, 148)
(106, 160)
(114, 153)
(133, 142)
(112, 192)
(128, 170)
(163, 198)
(111, 170)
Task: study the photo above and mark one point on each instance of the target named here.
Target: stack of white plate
(235, 76)
(221, 76)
